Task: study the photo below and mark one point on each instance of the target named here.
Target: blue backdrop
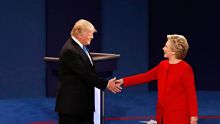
(22, 37)
(125, 32)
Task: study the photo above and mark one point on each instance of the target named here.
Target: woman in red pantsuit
(177, 102)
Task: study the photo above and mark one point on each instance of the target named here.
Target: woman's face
(168, 53)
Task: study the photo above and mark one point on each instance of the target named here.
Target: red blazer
(177, 100)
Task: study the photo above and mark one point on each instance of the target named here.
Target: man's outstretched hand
(113, 86)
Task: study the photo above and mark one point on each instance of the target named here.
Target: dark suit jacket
(75, 93)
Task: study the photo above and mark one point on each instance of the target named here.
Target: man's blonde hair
(81, 26)
(179, 45)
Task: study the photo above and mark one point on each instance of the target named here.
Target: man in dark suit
(75, 95)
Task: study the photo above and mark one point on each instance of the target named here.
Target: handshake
(115, 85)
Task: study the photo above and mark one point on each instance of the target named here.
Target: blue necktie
(87, 53)
(85, 50)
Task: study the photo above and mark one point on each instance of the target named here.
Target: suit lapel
(81, 52)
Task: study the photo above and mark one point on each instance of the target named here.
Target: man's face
(86, 37)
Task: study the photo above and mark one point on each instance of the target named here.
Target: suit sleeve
(188, 81)
(75, 63)
(141, 78)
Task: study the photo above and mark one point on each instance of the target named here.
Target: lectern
(105, 64)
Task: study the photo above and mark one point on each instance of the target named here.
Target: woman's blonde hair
(179, 45)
